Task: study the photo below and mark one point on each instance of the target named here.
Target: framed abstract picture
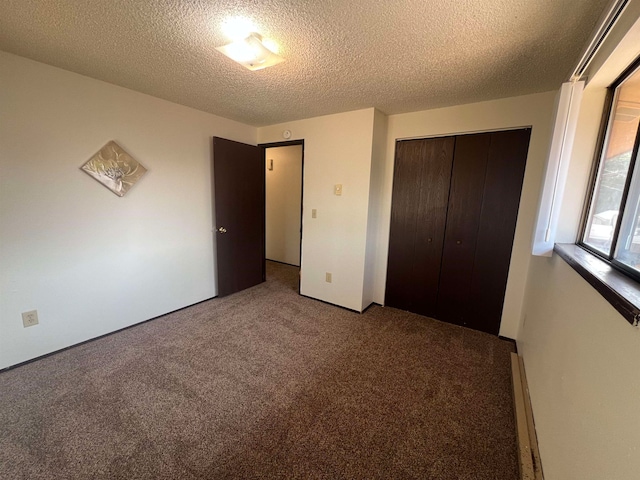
(114, 168)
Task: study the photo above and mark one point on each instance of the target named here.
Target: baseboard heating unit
(528, 453)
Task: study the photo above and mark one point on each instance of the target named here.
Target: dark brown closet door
(502, 189)
(463, 220)
(453, 219)
(422, 176)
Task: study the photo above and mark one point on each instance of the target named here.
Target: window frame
(605, 125)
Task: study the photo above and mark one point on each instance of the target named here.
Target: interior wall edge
(337, 151)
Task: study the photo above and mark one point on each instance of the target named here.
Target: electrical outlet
(29, 319)
(314, 213)
(337, 189)
(327, 277)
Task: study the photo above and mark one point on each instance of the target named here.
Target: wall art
(114, 168)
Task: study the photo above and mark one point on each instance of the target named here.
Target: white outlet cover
(29, 319)
(337, 189)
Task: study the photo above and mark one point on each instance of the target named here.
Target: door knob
(222, 230)
(430, 240)
(458, 242)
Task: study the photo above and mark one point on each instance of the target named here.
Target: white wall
(581, 356)
(376, 191)
(581, 359)
(337, 151)
(89, 261)
(530, 110)
(283, 203)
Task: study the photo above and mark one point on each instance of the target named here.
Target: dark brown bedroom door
(238, 183)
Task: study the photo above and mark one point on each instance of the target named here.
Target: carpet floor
(266, 384)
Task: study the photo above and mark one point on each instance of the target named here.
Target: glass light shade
(251, 53)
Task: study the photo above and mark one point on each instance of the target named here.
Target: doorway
(284, 165)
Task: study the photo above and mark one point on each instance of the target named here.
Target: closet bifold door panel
(422, 175)
(500, 203)
(453, 217)
(463, 220)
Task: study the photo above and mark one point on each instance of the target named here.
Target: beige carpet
(265, 384)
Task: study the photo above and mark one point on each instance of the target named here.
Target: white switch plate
(29, 319)
(337, 189)
(327, 277)
(314, 213)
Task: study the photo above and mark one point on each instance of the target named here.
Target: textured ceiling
(341, 55)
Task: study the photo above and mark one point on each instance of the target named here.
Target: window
(612, 226)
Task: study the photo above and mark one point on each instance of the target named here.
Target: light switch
(337, 189)
(314, 213)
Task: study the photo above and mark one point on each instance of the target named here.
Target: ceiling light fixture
(251, 52)
(238, 28)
